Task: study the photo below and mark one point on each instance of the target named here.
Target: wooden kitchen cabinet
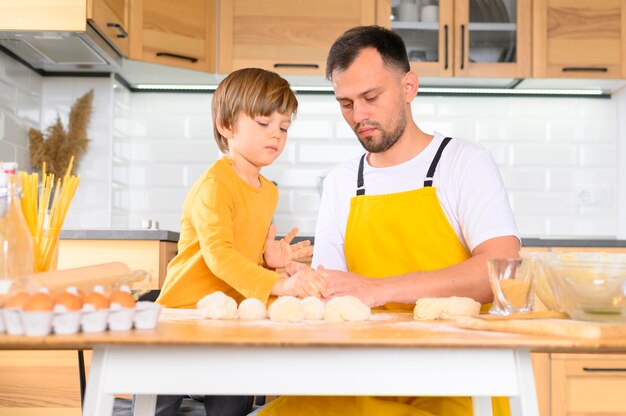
(588, 384)
(149, 255)
(112, 19)
(181, 34)
(579, 38)
(39, 383)
(471, 38)
(289, 37)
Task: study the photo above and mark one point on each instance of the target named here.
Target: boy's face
(259, 139)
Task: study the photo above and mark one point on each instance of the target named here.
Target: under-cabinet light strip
(428, 90)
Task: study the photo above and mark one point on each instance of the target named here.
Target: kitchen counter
(173, 236)
(567, 242)
(111, 234)
(148, 250)
(544, 242)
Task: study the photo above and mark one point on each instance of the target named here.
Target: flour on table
(252, 309)
(286, 309)
(346, 308)
(217, 305)
(313, 308)
(441, 308)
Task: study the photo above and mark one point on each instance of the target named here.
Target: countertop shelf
(119, 234)
(166, 235)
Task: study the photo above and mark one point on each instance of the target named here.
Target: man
(428, 233)
(417, 216)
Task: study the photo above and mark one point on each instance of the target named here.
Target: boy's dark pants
(214, 405)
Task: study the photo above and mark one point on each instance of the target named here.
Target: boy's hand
(279, 253)
(305, 282)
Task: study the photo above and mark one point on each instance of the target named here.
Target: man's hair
(348, 46)
(253, 91)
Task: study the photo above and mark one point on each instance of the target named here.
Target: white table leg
(97, 401)
(526, 403)
(482, 406)
(145, 404)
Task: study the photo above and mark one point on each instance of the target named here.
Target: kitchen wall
(20, 109)
(559, 157)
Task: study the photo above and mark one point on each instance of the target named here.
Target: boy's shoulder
(220, 170)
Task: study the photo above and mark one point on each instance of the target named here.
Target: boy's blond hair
(253, 91)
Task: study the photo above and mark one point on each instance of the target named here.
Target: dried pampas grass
(58, 147)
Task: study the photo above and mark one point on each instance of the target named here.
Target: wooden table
(187, 355)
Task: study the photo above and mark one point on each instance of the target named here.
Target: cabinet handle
(173, 55)
(315, 66)
(122, 34)
(445, 34)
(462, 46)
(583, 68)
(608, 369)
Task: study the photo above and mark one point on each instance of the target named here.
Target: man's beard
(387, 139)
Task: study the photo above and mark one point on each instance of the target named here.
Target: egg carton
(64, 313)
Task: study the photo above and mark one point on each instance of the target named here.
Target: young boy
(226, 241)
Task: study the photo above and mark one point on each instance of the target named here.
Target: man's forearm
(469, 278)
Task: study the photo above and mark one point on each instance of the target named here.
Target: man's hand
(302, 283)
(342, 283)
(280, 253)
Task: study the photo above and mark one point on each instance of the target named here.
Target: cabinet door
(429, 44)
(493, 38)
(579, 38)
(588, 384)
(469, 38)
(112, 18)
(289, 37)
(181, 34)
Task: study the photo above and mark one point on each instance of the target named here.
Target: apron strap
(431, 170)
(360, 184)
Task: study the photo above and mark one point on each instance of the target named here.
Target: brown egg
(70, 301)
(122, 298)
(97, 300)
(104, 290)
(39, 302)
(77, 292)
(16, 300)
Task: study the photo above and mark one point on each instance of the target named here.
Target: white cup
(430, 13)
(408, 11)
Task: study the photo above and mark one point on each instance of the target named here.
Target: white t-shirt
(468, 184)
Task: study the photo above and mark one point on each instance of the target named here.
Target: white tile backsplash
(563, 160)
(547, 149)
(17, 116)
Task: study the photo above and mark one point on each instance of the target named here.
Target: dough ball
(286, 309)
(217, 305)
(252, 309)
(313, 308)
(346, 308)
(441, 308)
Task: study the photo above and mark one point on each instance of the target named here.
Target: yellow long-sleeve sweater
(223, 229)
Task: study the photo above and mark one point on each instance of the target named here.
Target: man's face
(371, 100)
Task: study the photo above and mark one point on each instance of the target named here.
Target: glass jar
(16, 243)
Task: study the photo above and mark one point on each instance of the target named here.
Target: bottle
(16, 243)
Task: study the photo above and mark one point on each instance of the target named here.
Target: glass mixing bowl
(588, 286)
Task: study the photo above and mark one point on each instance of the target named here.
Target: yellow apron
(388, 235)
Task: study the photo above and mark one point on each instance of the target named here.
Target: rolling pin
(85, 278)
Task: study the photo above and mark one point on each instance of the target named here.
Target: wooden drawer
(41, 383)
(588, 384)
